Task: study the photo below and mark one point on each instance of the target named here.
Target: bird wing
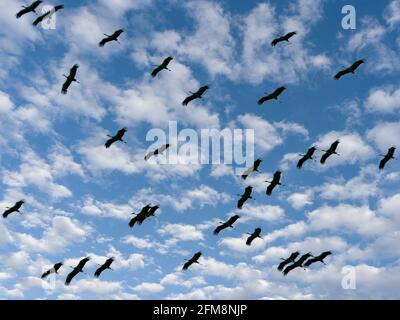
(270, 188)
(65, 86)
(282, 265)
(149, 155)
(109, 142)
(247, 172)
(250, 240)
(188, 99)
(301, 162)
(155, 71)
(39, 19)
(219, 228)
(187, 265)
(263, 99)
(309, 262)
(382, 163)
(289, 268)
(240, 203)
(341, 74)
(133, 221)
(104, 41)
(22, 12)
(45, 274)
(99, 271)
(325, 156)
(70, 276)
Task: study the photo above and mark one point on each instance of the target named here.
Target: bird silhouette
(54, 269)
(348, 70)
(244, 197)
(196, 95)
(48, 14)
(227, 224)
(118, 137)
(271, 96)
(308, 156)
(30, 8)
(256, 234)
(162, 66)
(110, 38)
(286, 37)
(14, 208)
(194, 259)
(253, 168)
(69, 79)
(330, 151)
(388, 156)
(106, 265)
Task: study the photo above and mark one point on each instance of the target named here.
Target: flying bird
(14, 208)
(388, 156)
(330, 151)
(251, 169)
(196, 95)
(146, 212)
(286, 37)
(286, 261)
(47, 15)
(151, 211)
(256, 234)
(54, 269)
(350, 69)
(244, 197)
(69, 79)
(106, 265)
(227, 224)
(297, 264)
(275, 181)
(30, 8)
(75, 271)
(305, 157)
(159, 150)
(319, 258)
(109, 38)
(192, 260)
(271, 96)
(162, 66)
(118, 137)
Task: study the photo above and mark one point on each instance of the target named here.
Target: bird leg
(65, 76)
(106, 35)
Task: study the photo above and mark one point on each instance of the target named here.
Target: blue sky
(79, 196)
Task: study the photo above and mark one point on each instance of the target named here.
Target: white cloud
(299, 200)
(384, 134)
(149, 288)
(62, 233)
(383, 100)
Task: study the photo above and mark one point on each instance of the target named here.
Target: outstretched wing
(270, 188)
(263, 99)
(156, 71)
(70, 276)
(187, 265)
(109, 142)
(188, 99)
(301, 162)
(340, 74)
(40, 19)
(382, 163)
(324, 157)
(99, 271)
(219, 228)
(289, 268)
(241, 202)
(104, 41)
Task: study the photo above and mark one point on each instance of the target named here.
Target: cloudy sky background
(79, 196)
